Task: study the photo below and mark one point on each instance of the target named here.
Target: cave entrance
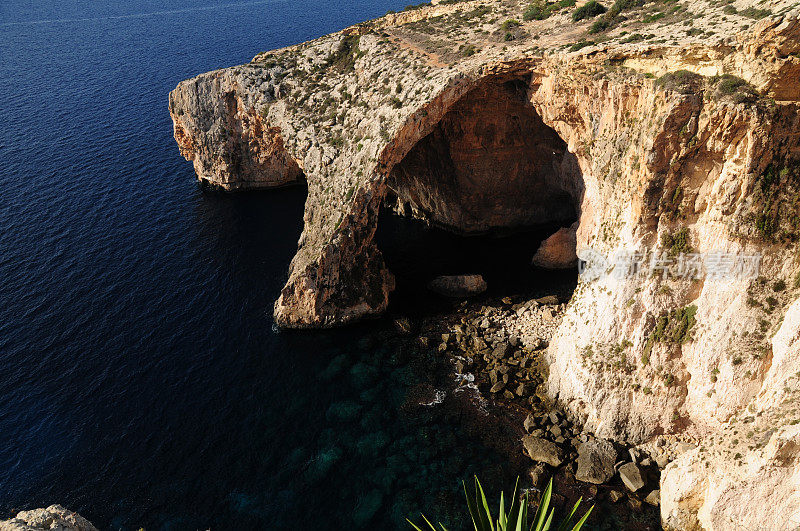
(479, 194)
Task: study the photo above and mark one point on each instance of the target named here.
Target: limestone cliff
(659, 125)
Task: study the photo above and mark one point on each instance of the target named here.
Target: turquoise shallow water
(142, 382)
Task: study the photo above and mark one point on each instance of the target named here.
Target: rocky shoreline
(501, 366)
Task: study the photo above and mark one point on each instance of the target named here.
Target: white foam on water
(438, 398)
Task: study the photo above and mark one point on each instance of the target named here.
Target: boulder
(631, 476)
(634, 453)
(558, 251)
(54, 517)
(499, 386)
(503, 350)
(654, 498)
(596, 461)
(542, 450)
(458, 285)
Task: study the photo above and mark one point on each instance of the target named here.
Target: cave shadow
(479, 194)
(417, 253)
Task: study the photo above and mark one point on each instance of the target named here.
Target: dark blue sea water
(142, 382)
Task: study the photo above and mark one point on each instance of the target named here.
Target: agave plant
(516, 519)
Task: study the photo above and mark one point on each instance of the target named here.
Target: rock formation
(664, 127)
(54, 518)
(559, 250)
(458, 285)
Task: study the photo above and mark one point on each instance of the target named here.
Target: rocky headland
(669, 126)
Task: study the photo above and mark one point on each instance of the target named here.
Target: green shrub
(734, 88)
(768, 218)
(674, 326)
(755, 13)
(469, 50)
(416, 6)
(509, 24)
(542, 9)
(676, 243)
(636, 37)
(539, 10)
(575, 46)
(624, 5)
(652, 18)
(517, 516)
(681, 81)
(344, 58)
(590, 9)
(779, 286)
(599, 25)
(614, 15)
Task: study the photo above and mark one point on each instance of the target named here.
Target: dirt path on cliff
(432, 58)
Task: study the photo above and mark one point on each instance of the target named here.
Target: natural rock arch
(489, 163)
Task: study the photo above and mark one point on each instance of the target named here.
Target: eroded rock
(596, 459)
(631, 476)
(558, 250)
(542, 451)
(654, 498)
(54, 518)
(458, 285)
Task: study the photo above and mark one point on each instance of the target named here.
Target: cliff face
(674, 136)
